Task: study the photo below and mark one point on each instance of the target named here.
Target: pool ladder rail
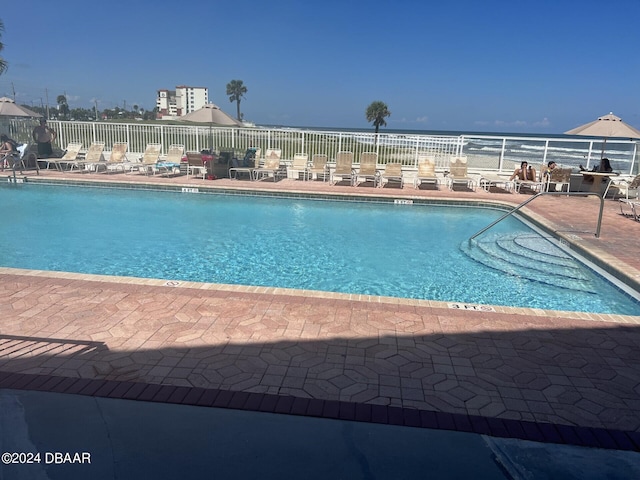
(578, 194)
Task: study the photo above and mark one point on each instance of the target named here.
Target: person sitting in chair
(603, 167)
(525, 173)
(8, 148)
(550, 167)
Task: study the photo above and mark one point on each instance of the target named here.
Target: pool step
(532, 257)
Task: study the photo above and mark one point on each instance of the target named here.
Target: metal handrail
(578, 194)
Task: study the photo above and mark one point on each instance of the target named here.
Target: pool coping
(320, 294)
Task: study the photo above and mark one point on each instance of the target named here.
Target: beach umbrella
(211, 114)
(607, 126)
(9, 108)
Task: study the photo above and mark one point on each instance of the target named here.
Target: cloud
(542, 123)
(501, 123)
(514, 123)
(423, 119)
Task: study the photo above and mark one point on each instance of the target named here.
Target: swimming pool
(409, 251)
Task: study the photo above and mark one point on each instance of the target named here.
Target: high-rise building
(182, 100)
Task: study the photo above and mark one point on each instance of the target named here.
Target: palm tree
(236, 90)
(63, 107)
(376, 113)
(3, 63)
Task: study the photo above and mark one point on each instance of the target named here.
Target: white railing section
(486, 152)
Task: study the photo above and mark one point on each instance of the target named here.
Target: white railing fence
(501, 153)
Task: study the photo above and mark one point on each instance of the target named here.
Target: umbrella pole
(604, 144)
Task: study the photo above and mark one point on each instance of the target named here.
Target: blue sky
(538, 66)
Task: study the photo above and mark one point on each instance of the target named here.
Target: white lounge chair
(488, 180)
(170, 165)
(536, 185)
(368, 169)
(318, 167)
(117, 158)
(627, 186)
(426, 171)
(147, 162)
(344, 168)
(458, 174)
(299, 166)
(93, 156)
(392, 173)
(70, 155)
(271, 165)
(556, 179)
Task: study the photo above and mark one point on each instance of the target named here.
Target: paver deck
(569, 376)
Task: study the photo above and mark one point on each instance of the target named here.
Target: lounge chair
(70, 155)
(196, 164)
(628, 186)
(536, 185)
(630, 202)
(392, 173)
(299, 165)
(170, 165)
(368, 169)
(558, 177)
(488, 180)
(148, 161)
(14, 159)
(318, 167)
(250, 162)
(458, 174)
(635, 208)
(271, 165)
(117, 158)
(93, 156)
(426, 171)
(344, 168)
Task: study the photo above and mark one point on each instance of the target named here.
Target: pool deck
(563, 377)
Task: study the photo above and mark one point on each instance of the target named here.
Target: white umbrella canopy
(9, 108)
(211, 114)
(607, 126)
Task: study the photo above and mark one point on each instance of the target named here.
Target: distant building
(182, 100)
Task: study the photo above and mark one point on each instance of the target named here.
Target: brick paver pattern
(563, 368)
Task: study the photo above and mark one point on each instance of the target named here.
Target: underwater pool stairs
(531, 257)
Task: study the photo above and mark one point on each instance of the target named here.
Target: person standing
(44, 137)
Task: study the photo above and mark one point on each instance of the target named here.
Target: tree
(3, 63)
(236, 90)
(376, 113)
(63, 107)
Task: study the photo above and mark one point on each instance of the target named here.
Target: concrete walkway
(551, 376)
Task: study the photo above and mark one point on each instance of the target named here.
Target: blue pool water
(378, 249)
